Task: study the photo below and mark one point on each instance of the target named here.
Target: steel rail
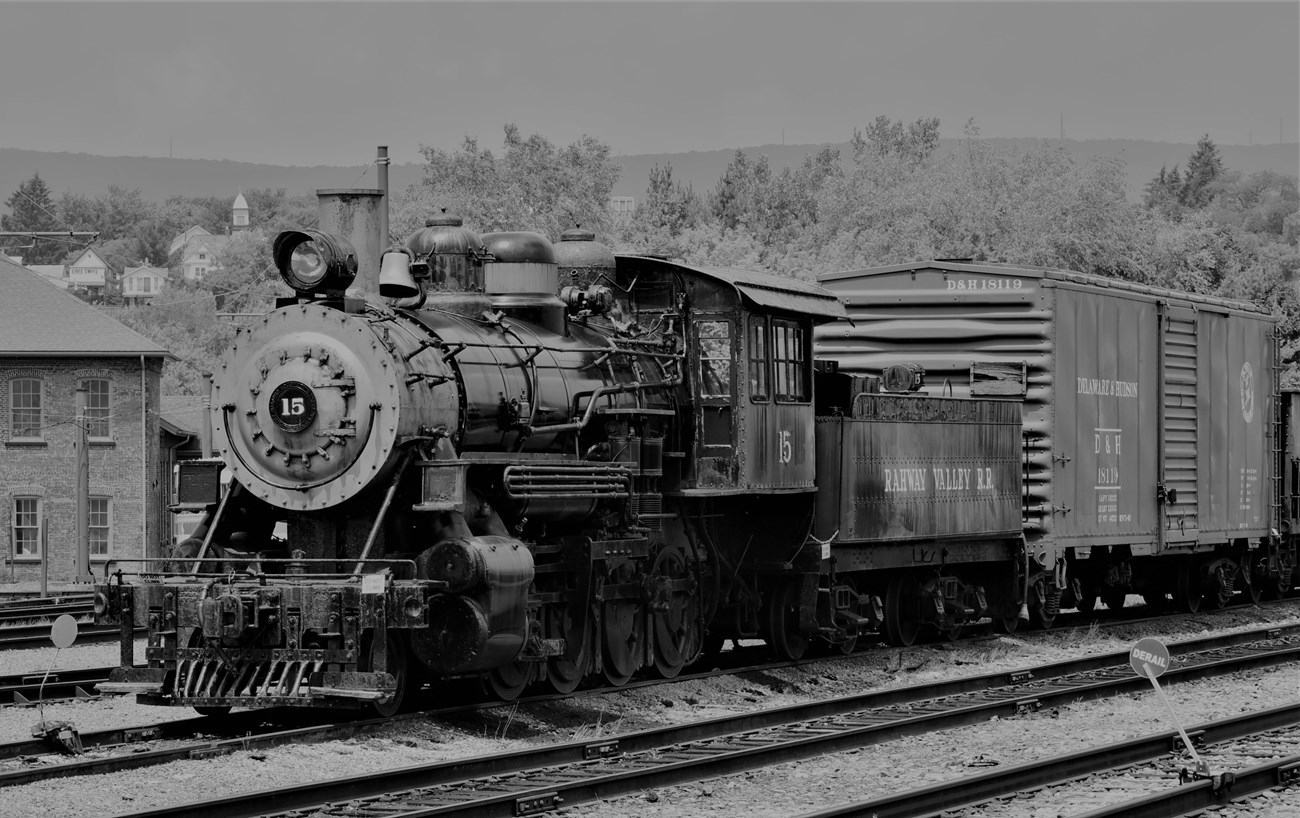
(538, 780)
(937, 799)
(1203, 795)
(17, 637)
(23, 688)
(263, 736)
(46, 612)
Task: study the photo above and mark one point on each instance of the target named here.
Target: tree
(533, 185)
(31, 208)
(1203, 168)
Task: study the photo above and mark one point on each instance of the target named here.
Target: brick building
(50, 342)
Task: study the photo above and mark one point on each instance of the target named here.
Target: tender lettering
(942, 479)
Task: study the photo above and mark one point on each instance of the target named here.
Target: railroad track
(15, 637)
(538, 780)
(23, 688)
(45, 609)
(1129, 772)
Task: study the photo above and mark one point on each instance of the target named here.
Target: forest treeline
(1201, 227)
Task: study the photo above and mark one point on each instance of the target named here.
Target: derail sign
(1149, 658)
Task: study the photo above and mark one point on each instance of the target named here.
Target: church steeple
(239, 213)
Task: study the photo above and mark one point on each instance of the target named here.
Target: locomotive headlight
(311, 262)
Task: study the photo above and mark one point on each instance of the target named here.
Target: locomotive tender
(522, 462)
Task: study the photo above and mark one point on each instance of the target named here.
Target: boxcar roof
(763, 289)
(1084, 279)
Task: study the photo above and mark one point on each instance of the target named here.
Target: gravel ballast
(787, 789)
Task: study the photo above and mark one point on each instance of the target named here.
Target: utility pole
(82, 558)
(1062, 126)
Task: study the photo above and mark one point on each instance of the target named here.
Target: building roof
(240, 202)
(182, 413)
(211, 242)
(37, 320)
(55, 274)
(89, 251)
(185, 236)
(145, 270)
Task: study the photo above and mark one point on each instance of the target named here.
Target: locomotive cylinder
(484, 629)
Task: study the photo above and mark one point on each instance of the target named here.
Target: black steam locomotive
(533, 463)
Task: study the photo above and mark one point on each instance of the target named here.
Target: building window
(199, 271)
(715, 359)
(146, 285)
(790, 361)
(27, 526)
(203, 256)
(25, 408)
(97, 407)
(100, 526)
(759, 356)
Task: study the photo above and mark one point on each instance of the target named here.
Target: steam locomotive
(519, 462)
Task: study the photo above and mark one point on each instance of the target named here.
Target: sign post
(1150, 658)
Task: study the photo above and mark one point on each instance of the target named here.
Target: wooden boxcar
(1149, 416)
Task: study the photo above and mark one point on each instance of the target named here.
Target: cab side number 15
(784, 448)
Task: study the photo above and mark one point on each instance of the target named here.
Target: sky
(306, 83)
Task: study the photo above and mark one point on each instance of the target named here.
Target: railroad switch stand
(59, 734)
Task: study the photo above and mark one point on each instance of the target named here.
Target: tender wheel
(507, 683)
(397, 666)
(848, 645)
(1187, 591)
(1114, 599)
(1087, 602)
(624, 634)
(902, 610)
(1157, 600)
(1253, 577)
(1006, 624)
(783, 634)
(676, 620)
(951, 634)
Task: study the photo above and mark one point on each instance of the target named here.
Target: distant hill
(159, 178)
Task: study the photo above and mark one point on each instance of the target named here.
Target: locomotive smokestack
(357, 215)
(382, 161)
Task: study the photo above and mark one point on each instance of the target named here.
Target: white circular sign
(1149, 657)
(64, 631)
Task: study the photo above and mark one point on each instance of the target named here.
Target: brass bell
(395, 279)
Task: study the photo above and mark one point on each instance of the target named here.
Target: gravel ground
(782, 790)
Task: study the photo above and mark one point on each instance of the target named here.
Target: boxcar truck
(1151, 420)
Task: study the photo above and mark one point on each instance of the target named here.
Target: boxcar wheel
(783, 634)
(902, 609)
(1187, 592)
(1041, 612)
(1087, 602)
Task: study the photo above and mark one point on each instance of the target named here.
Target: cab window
(789, 361)
(715, 358)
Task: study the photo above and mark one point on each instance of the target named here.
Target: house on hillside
(51, 343)
(88, 273)
(199, 256)
(141, 284)
(180, 240)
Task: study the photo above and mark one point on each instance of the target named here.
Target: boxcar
(1149, 417)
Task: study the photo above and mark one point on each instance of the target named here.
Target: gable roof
(143, 271)
(182, 238)
(89, 251)
(37, 320)
(211, 242)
